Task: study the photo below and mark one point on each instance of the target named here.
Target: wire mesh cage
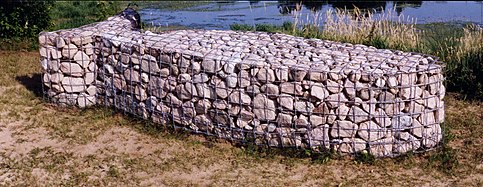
(273, 89)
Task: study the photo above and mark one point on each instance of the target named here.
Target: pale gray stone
(54, 78)
(266, 75)
(184, 77)
(210, 65)
(381, 118)
(435, 83)
(317, 120)
(243, 79)
(155, 87)
(286, 101)
(319, 91)
(282, 74)
(380, 82)
(357, 115)
(140, 93)
(89, 78)
(270, 89)
(231, 80)
(411, 92)
(392, 81)
(284, 119)
(150, 65)
(203, 122)
(427, 118)
(55, 54)
(294, 88)
(334, 87)
(59, 42)
(400, 122)
(369, 106)
(84, 100)
(72, 69)
(82, 59)
(351, 145)
(238, 97)
(319, 136)
(298, 75)
(202, 106)
(394, 107)
(342, 112)
(73, 84)
(220, 104)
(335, 100)
(91, 90)
(317, 76)
(200, 78)
(382, 147)
(264, 108)
(304, 107)
(131, 75)
(89, 50)
(229, 68)
(417, 129)
(343, 129)
(371, 131)
(164, 72)
(69, 51)
(82, 39)
(407, 79)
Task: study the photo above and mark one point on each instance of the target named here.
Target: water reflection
(222, 14)
(289, 6)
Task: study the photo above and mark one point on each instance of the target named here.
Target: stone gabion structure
(274, 89)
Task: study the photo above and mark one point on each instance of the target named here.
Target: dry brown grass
(363, 27)
(42, 145)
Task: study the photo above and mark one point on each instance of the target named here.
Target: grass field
(45, 145)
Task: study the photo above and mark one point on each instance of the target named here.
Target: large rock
(381, 148)
(240, 98)
(357, 115)
(264, 108)
(371, 131)
(319, 136)
(343, 129)
(291, 88)
(69, 51)
(266, 75)
(335, 100)
(304, 107)
(54, 78)
(286, 101)
(351, 145)
(149, 64)
(72, 69)
(73, 84)
(82, 59)
(319, 91)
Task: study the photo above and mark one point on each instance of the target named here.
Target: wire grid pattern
(271, 89)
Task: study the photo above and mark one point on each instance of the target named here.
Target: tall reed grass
(463, 57)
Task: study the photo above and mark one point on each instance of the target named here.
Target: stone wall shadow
(33, 83)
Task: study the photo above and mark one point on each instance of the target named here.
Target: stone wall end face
(275, 89)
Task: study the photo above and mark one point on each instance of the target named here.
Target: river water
(220, 15)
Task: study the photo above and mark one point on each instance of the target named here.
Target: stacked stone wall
(274, 89)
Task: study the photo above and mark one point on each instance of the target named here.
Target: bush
(20, 18)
